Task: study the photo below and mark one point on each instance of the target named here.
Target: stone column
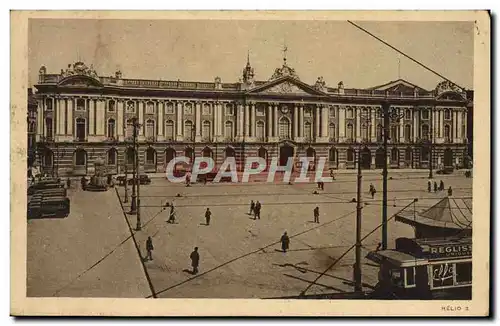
(40, 117)
(295, 126)
(342, 124)
(252, 121)
(401, 127)
(140, 107)
(247, 121)
(100, 117)
(120, 118)
(240, 121)
(373, 124)
(70, 118)
(275, 121)
(160, 123)
(179, 124)
(317, 123)
(358, 124)
(269, 122)
(415, 126)
(61, 116)
(459, 126)
(301, 121)
(198, 121)
(324, 127)
(91, 111)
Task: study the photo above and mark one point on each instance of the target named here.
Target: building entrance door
(286, 151)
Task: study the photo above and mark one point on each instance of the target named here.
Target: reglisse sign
(449, 250)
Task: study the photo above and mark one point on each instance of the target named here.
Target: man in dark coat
(171, 218)
(316, 215)
(208, 214)
(435, 186)
(84, 183)
(195, 260)
(252, 207)
(441, 185)
(149, 248)
(450, 191)
(429, 186)
(257, 210)
(285, 242)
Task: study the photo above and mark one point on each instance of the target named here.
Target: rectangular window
(448, 275)
(80, 104)
(48, 106)
(206, 109)
(424, 114)
(111, 106)
(463, 273)
(130, 107)
(150, 108)
(410, 277)
(229, 110)
(332, 112)
(260, 112)
(169, 108)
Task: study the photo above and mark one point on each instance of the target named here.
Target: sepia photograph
(285, 157)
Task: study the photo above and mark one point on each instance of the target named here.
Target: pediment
(399, 85)
(286, 86)
(80, 81)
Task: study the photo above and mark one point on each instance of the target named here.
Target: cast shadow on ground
(188, 271)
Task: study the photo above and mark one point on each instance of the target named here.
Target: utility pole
(125, 200)
(133, 205)
(431, 132)
(137, 179)
(385, 110)
(358, 287)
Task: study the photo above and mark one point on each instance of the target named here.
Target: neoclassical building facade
(83, 116)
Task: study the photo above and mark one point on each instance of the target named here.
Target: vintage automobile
(43, 185)
(41, 206)
(52, 192)
(143, 179)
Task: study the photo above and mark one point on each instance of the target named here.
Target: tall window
(332, 155)
(80, 157)
(188, 130)
(188, 109)
(307, 130)
(81, 131)
(150, 128)
(47, 158)
(260, 130)
(206, 109)
(332, 131)
(111, 106)
(111, 128)
(112, 156)
(31, 127)
(447, 133)
(284, 128)
(350, 132)
(394, 133)
(332, 112)
(169, 129)
(350, 155)
(130, 107)
(425, 132)
(425, 114)
(150, 108)
(150, 156)
(189, 153)
(407, 133)
(206, 130)
(424, 154)
(365, 113)
(407, 114)
(80, 104)
(350, 113)
(48, 128)
(447, 114)
(129, 132)
(228, 129)
(130, 156)
(380, 133)
(48, 105)
(394, 155)
(229, 110)
(260, 111)
(364, 132)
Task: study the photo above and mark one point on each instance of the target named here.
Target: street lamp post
(133, 205)
(125, 200)
(389, 116)
(431, 131)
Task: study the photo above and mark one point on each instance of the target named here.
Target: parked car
(41, 206)
(42, 186)
(143, 179)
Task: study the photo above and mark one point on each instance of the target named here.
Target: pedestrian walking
(322, 184)
(258, 206)
(208, 214)
(450, 191)
(188, 179)
(441, 185)
(195, 260)
(372, 190)
(435, 186)
(252, 207)
(316, 215)
(171, 218)
(429, 186)
(149, 248)
(68, 183)
(83, 181)
(285, 242)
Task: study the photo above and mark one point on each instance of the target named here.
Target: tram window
(410, 277)
(463, 273)
(396, 277)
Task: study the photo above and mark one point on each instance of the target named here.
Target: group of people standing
(255, 208)
(438, 188)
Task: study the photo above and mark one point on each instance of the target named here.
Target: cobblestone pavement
(240, 257)
(59, 250)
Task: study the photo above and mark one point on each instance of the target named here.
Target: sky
(203, 49)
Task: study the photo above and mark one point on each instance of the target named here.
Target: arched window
(407, 133)
(189, 152)
(307, 130)
(260, 130)
(350, 132)
(206, 131)
(332, 155)
(169, 130)
(424, 132)
(130, 107)
(394, 133)
(150, 128)
(169, 109)
(80, 157)
(150, 156)
(129, 132)
(447, 114)
(447, 133)
(48, 129)
(188, 130)
(350, 155)
(169, 155)
(130, 156)
(284, 128)
(228, 129)
(332, 131)
(263, 153)
(150, 108)
(48, 104)
(424, 154)
(207, 152)
(81, 129)
(112, 157)
(111, 128)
